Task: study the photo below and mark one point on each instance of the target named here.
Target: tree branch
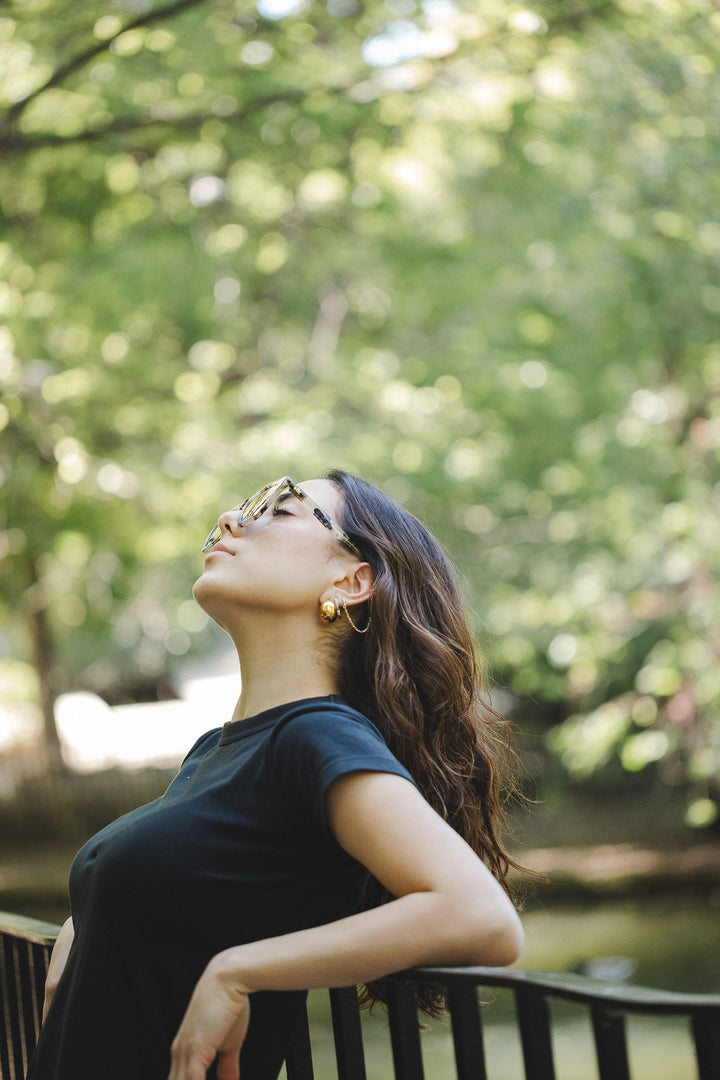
(79, 61)
(9, 141)
(143, 122)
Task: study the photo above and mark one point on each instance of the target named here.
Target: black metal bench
(26, 944)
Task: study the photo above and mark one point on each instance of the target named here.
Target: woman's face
(282, 563)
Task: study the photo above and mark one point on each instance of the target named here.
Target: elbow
(509, 941)
(497, 938)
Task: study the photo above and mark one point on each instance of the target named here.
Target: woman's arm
(449, 910)
(58, 959)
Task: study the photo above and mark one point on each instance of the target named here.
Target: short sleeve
(309, 750)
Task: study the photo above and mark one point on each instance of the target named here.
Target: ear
(356, 584)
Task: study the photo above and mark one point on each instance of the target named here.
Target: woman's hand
(214, 1025)
(58, 959)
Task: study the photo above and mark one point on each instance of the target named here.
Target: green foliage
(471, 252)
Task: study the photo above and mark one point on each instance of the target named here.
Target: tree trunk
(43, 655)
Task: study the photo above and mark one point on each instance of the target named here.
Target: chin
(212, 597)
(202, 591)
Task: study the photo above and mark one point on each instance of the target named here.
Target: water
(669, 941)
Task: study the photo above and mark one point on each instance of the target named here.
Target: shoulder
(318, 741)
(205, 743)
(326, 738)
(317, 720)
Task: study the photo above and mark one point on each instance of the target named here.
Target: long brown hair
(418, 677)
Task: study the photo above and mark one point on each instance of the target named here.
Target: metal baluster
(5, 1018)
(533, 1016)
(610, 1043)
(404, 1031)
(467, 1033)
(299, 1063)
(14, 1006)
(706, 1036)
(29, 1023)
(349, 1052)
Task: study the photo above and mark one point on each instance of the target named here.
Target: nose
(229, 522)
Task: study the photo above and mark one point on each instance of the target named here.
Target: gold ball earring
(329, 611)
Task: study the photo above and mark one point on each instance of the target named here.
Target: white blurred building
(95, 735)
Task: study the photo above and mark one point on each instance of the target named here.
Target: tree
(471, 252)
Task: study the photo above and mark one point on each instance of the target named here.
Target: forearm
(420, 928)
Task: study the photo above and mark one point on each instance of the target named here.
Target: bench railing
(25, 947)
(26, 944)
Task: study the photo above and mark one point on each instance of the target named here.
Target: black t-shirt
(236, 850)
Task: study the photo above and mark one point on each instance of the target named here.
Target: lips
(220, 547)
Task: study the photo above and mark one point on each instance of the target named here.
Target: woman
(359, 766)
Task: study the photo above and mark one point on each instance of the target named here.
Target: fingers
(214, 1027)
(192, 1066)
(187, 1064)
(50, 988)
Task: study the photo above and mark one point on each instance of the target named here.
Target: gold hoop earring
(329, 610)
(355, 628)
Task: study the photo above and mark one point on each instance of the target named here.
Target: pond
(669, 941)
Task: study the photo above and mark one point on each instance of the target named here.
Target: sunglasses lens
(251, 509)
(258, 503)
(213, 538)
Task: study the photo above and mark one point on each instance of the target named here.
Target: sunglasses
(266, 498)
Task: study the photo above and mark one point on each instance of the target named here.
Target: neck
(278, 672)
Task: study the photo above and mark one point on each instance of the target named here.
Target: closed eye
(277, 510)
